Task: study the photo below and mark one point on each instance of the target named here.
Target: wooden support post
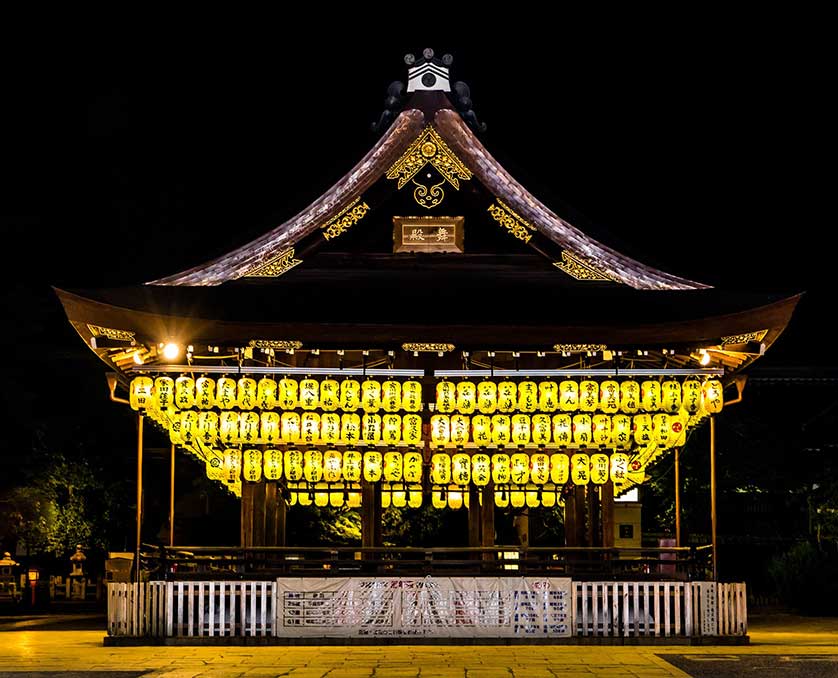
(368, 514)
(487, 519)
(172, 499)
(259, 518)
(570, 518)
(139, 496)
(677, 496)
(713, 534)
(592, 536)
(474, 516)
(378, 514)
(581, 515)
(271, 510)
(281, 511)
(247, 515)
(607, 504)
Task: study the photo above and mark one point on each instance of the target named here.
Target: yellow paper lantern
(393, 467)
(517, 498)
(288, 390)
(353, 499)
(650, 395)
(500, 429)
(487, 397)
(629, 397)
(582, 425)
(225, 393)
(164, 392)
(391, 396)
(208, 427)
(321, 495)
(272, 464)
(269, 427)
(371, 395)
(548, 498)
(520, 429)
(678, 423)
(568, 396)
(527, 396)
(310, 428)
(412, 467)
(184, 393)
(609, 396)
(601, 429)
(204, 393)
(541, 426)
(371, 428)
(580, 469)
(414, 496)
(266, 391)
(329, 428)
(398, 496)
(466, 397)
(548, 396)
(350, 428)
(440, 469)
(691, 396)
(228, 427)
(188, 425)
(461, 469)
(292, 496)
(559, 468)
(621, 431)
(520, 468)
(174, 431)
(501, 471)
(588, 395)
(309, 394)
(539, 468)
(372, 466)
(671, 396)
(481, 429)
(248, 427)
(438, 500)
(440, 429)
(329, 395)
(332, 471)
(215, 467)
(411, 396)
(352, 466)
(619, 467)
(455, 499)
(141, 393)
(532, 497)
(313, 466)
(481, 469)
(507, 396)
(232, 465)
(501, 498)
(246, 393)
(459, 429)
(562, 429)
(290, 427)
(599, 468)
(252, 466)
(350, 395)
(336, 499)
(642, 425)
(712, 396)
(304, 495)
(391, 428)
(445, 397)
(411, 428)
(662, 430)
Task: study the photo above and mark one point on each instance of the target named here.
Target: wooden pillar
(607, 508)
(259, 517)
(172, 499)
(487, 519)
(713, 537)
(474, 516)
(594, 531)
(570, 518)
(281, 511)
(368, 514)
(270, 513)
(378, 512)
(677, 496)
(139, 496)
(521, 523)
(581, 515)
(247, 515)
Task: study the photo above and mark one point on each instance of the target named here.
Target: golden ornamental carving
(276, 344)
(345, 219)
(579, 268)
(275, 267)
(759, 335)
(579, 348)
(110, 333)
(515, 224)
(433, 348)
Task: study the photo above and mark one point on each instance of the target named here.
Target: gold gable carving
(345, 219)
(514, 223)
(579, 268)
(276, 266)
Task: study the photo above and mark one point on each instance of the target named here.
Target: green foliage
(806, 578)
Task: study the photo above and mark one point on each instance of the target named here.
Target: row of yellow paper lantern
(609, 397)
(520, 469)
(226, 393)
(454, 497)
(599, 430)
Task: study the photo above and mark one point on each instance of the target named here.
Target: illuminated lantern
(527, 396)
(313, 466)
(354, 500)
(393, 467)
(500, 429)
(164, 391)
(548, 396)
(332, 466)
(411, 428)
(288, 393)
(621, 431)
(246, 393)
(541, 425)
(691, 396)
(588, 396)
(455, 499)
(568, 396)
(532, 497)
(228, 427)
(582, 424)
(372, 466)
(411, 396)
(445, 397)
(642, 425)
(461, 469)
(269, 428)
(678, 424)
(329, 395)
(352, 466)
(481, 430)
(350, 395)
(232, 465)
(438, 500)
(399, 496)
(272, 463)
(481, 469)
(580, 469)
(391, 396)
(290, 427)
(310, 427)
(619, 467)
(142, 389)
(371, 428)
(208, 427)
(188, 425)
(215, 468)
(599, 468)
(650, 395)
(629, 397)
(517, 498)
(252, 466)
(304, 495)
(562, 429)
(412, 467)
(248, 427)
(601, 429)
(321, 494)
(184, 393)
(336, 498)
(507, 396)
(371, 395)
(520, 433)
(712, 398)
(662, 429)
(440, 469)
(671, 396)
(329, 427)
(501, 498)
(225, 393)
(609, 396)
(414, 496)
(501, 474)
(391, 428)
(466, 397)
(309, 394)
(539, 468)
(266, 391)
(205, 393)
(559, 468)
(459, 429)
(350, 428)
(292, 496)
(487, 397)
(440, 429)
(548, 498)
(520, 468)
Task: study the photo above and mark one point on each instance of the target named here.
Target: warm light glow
(138, 359)
(705, 357)
(171, 351)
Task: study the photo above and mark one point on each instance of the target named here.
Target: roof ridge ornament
(275, 266)
(582, 269)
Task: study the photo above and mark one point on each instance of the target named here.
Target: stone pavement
(777, 639)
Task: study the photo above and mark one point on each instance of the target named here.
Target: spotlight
(171, 351)
(138, 359)
(705, 357)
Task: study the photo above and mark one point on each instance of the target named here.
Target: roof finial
(430, 74)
